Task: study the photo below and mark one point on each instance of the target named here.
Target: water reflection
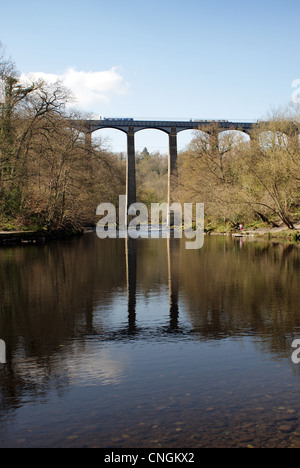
(54, 293)
(73, 313)
(173, 246)
(131, 270)
(173, 257)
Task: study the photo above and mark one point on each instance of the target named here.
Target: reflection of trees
(49, 293)
(254, 290)
(229, 291)
(49, 296)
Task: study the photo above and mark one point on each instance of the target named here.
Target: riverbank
(277, 233)
(35, 237)
(40, 237)
(269, 233)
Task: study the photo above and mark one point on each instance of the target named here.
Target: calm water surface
(145, 344)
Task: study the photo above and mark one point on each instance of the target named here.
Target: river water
(114, 343)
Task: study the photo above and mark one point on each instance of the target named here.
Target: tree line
(49, 178)
(254, 182)
(242, 181)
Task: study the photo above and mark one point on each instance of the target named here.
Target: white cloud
(89, 88)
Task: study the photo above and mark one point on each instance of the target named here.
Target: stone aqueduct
(131, 127)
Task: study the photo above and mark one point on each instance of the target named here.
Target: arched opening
(108, 164)
(273, 140)
(184, 139)
(152, 149)
(231, 140)
(111, 140)
(153, 139)
(191, 141)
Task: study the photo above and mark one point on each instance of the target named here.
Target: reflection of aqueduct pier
(130, 127)
(173, 248)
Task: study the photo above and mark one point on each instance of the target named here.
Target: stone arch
(271, 138)
(114, 139)
(144, 135)
(185, 137)
(239, 135)
(154, 164)
(164, 130)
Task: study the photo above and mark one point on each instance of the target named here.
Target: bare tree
(48, 175)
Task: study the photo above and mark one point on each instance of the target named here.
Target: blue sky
(161, 58)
